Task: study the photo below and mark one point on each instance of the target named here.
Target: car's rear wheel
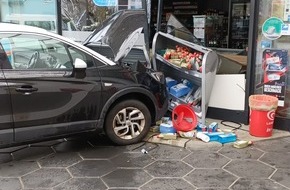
(128, 122)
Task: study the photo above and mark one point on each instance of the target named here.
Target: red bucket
(184, 118)
(262, 114)
(261, 123)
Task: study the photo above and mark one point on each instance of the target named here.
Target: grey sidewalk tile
(17, 168)
(287, 139)
(249, 169)
(198, 145)
(10, 184)
(256, 184)
(210, 178)
(13, 149)
(168, 184)
(91, 168)
(37, 189)
(132, 159)
(5, 157)
(213, 188)
(32, 153)
(99, 139)
(104, 152)
(48, 143)
(169, 152)
(82, 184)
(245, 153)
(60, 159)
(45, 178)
(166, 168)
(205, 159)
(277, 159)
(72, 146)
(142, 145)
(273, 145)
(282, 176)
(131, 178)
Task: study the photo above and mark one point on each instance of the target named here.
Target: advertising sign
(275, 66)
(272, 28)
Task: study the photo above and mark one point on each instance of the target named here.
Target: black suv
(52, 87)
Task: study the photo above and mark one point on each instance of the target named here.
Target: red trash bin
(262, 114)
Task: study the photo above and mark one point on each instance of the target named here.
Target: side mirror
(80, 64)
(80, 68)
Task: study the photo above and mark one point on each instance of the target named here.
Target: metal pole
(59, 17)
(146, 29)
(159, 15)
(252, 46)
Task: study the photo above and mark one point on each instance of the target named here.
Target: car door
(6, 121)
(47, 99)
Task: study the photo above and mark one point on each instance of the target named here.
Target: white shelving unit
(204, 79)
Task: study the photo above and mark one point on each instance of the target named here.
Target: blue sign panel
(105, 3)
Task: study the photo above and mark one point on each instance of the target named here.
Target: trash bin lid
(184, 118)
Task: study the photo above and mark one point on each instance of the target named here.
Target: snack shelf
(202, 79)
(193, 73)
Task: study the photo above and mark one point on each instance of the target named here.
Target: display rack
(202, 79)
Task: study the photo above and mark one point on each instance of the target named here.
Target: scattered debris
(188, 134)
(167, 136)
(242, 144)
(202, 136)
(144, 151)
(167, 130)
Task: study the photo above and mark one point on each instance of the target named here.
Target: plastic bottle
(202, 137)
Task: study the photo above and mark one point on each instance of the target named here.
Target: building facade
(257, 29)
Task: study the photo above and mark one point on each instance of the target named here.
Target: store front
(272, 56)
(233, 28)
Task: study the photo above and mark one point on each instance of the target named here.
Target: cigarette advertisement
(275, 66)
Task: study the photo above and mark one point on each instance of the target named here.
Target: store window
(24, 12)
(272, 59)
(223, 26)
(81, 17)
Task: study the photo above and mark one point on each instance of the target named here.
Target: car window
(40, 52)
(4, 61)
(75, 53)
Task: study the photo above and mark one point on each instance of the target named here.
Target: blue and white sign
(105, 3)
(285, 29)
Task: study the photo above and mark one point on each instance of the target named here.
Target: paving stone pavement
(90, 163)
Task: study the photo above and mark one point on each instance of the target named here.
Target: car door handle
(27, 90)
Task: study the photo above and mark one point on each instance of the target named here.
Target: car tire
(128, 122)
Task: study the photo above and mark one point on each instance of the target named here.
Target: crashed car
(52, 87)
(177, 53)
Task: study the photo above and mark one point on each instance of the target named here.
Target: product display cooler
(190, 69)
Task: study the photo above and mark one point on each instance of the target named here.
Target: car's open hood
(120, 32)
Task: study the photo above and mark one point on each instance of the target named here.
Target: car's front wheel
(128, 122)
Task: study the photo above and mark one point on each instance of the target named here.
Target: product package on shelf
(184, 92)
(185, 62)
(183, 57)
